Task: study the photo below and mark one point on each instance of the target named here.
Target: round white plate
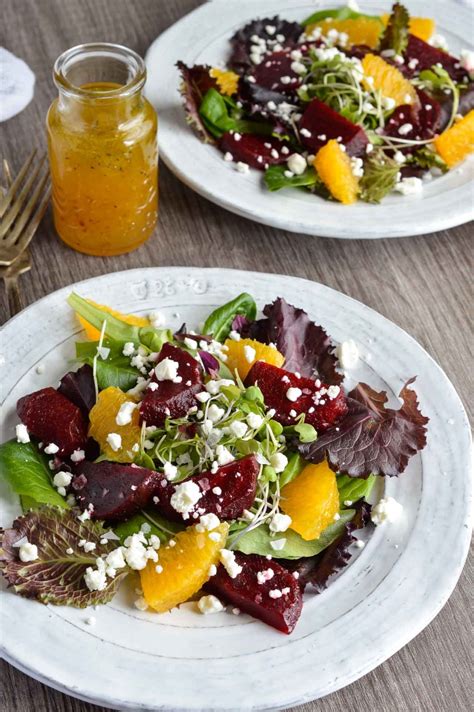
(202, 37)
(185, 661)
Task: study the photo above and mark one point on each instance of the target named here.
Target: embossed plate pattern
(202, 37)
(184, 661)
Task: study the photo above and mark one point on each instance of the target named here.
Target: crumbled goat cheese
(293, 394)
(157, 319)
(223, 455)
(278, 461)
(386, 510)
(254, 421)
(128, 348)
(170, 471)
(62, 479)
(185, 497)
(234, 335)
(214, 413)
(275, 593)
(115, 441)
(227, 559)
(209, 604)
(238, 429)
(357, 167)
(439, 41)
(280, 522)
(22, 433)
(242, 167)
(467, 61)
(333, 392)
(167, 370)
(124, 415)
(348, 354)
(405, 129)
(249, 353)
(78, 456)
(296, 163)
(51, 449)
(228, 156)
(409, 186)
(298, 67)
(28, 552)
(141, 604)
(264, 576)
(207, 522)
(96, 579)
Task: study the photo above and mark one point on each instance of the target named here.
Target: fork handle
(13, 294)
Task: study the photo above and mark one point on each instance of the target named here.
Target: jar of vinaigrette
(103, 151)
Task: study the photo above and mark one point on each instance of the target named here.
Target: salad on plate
(346, 105)
(227, 466)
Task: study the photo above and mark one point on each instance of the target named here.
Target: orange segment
(227, 81)
(422, 27)
(362, 30)
(102, 423)
(185, 567)
(311, 500)
(94, 334)
(457, 143)
(241, 355)
(391, 82)
(334, 169)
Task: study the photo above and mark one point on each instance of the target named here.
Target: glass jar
(102, 150)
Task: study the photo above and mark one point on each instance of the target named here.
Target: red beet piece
(170, 399)
(424, 119)
(274, 67)
(115, 491)
(427, 56)
(249, 148)
(52, 418)
(322, 121)
(245, 592)
(236, 485)
(322, 405)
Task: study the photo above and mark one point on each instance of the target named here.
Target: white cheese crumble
(22, 435)
(249, 353)
(228, 561)
(228, 156)
(157, 319)
(386, 510)
(141, 604)
(280, 522)
(28, 552)
(167, 370)
(275, 593)
(207, 522)
(78, 456)
(439, 41)
(405, 129)
(185, 497)
(348, 353)
(51, 449)
(209, 604)
(296, 163)
(170, 471)
(128, 348)
(264, 576)
(124, 415)
(278, 544)
(115, 441)
(214, 413)
(254, 421)
(278, 461)
(293, 394)
(409, 186)
(242, 167)
(238, 429)
(467, 61)
(223, 455)
(333, 392)
(62, 479)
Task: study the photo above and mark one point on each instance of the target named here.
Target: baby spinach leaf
(216, 112)
(257, 541)
(115, 370)
(340, 13)
(295, 465)
(275, 178)
(351, 489)
(27, 472)
(219, 322)
(159, 526)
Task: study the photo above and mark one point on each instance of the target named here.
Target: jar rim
(106, 49)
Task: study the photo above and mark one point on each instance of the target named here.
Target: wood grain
(422, 284)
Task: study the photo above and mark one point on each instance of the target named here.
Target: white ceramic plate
(202, 37)
(184, 661)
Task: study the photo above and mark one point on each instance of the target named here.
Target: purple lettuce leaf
(79, 387)
(55, 576)
(183, 334)
(196, 81)
(241, 42)
(372, 439)
(316, 571)
(307, 348)
(210, 364)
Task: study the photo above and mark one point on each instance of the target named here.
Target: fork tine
(6, 200)
(20, 199)
(7, 173)
(26, 214)
(26, 236)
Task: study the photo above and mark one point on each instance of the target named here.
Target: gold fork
(16, 228)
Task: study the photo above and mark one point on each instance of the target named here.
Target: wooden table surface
(421, 283)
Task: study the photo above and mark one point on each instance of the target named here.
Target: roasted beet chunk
(275, 73)
(427, 56)
(291, 395)
(271, 31)
(226, 492)
(256, 151)
(112, 491)
(277, 600)
(53, 419)
(419, 122)
(173, 396)
(320, 123)
(79, 387)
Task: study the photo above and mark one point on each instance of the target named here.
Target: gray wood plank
(422, 284)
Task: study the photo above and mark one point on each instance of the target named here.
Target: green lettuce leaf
(56, 576)
(351, 489)
(159, 526)
(26, 471)
(380, 176)
(275, 178)
(395, 36)
(257, 541)
(219, 322)
(340, 13)
(219, 115)
(115, 370)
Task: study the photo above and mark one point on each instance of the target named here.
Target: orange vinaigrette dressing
(103, 160)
